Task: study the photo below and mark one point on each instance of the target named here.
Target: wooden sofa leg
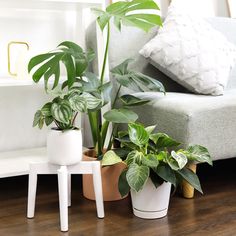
(188, 190)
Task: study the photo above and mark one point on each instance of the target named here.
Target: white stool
(64, 186)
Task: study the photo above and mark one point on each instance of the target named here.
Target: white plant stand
(64, 186)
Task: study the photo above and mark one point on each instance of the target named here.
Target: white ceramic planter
(151, 202)
(64, 147)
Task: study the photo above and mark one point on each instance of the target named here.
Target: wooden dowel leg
(188, 190)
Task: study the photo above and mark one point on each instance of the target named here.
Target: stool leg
(97, 184)
(32, 188)
(69, 190)
(63, 197)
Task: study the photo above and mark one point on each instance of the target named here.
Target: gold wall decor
(13, 73)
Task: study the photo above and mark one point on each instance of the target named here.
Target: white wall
(204, 7)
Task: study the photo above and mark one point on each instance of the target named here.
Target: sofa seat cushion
(195, 119)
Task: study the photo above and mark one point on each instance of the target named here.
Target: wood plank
(211, 214)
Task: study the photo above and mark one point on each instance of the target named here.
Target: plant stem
(111, 138)
(106, 123)
(99, 138)
(73, 121)
(106, 53)
(93, 126)
(116, 97)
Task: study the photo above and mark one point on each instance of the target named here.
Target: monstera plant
(93, 91)
(152, 165)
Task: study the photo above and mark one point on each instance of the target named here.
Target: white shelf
(49, 4)
(16, 163)
(8, 82)
(13, 82)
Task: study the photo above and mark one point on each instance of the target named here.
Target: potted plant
(64, 140)
(76, 62)
(152, 165)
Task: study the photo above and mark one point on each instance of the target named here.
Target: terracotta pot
(110, 177)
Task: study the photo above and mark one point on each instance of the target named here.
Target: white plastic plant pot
(64, 147)
(151, 202)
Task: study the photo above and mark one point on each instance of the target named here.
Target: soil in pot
(110, 177)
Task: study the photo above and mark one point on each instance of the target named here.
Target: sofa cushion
(191, 52)
(195, 119)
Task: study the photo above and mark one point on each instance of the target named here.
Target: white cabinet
(42, 24)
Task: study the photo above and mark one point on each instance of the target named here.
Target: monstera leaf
(135, 81)
(48, 64)
(130, 100)
(125, 12)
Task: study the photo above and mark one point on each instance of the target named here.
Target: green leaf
(48, 69)
(150, 160)
(49, 120)
(138, 135)
(125, 12)
(48, 65)
(150, 129)
(130, 100)
(191, 178)
(134, 80)
(166, 173)
(71, 45)
(156, 180)
(177, 161)
(92, 102)
(70, 69)
(41, 123)
(121, 152)
(38, 115)
(106, 91)
(46, 109)
(78, 104)
(120, 116)
(93, 82)
(163, 140)
(137, 176)
(103, 20)
(199, 153)
(123, 185)
(62, 112)
(39, 59)
(134, 157)
(110, 158)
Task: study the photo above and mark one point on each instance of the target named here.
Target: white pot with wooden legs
(64, 147)
(151, 202)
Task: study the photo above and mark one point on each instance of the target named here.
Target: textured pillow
(192, 53)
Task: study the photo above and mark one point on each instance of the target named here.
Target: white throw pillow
(191, 52)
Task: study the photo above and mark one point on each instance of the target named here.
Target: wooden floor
(211, 214)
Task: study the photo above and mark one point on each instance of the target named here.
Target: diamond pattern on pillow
(191, 52)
